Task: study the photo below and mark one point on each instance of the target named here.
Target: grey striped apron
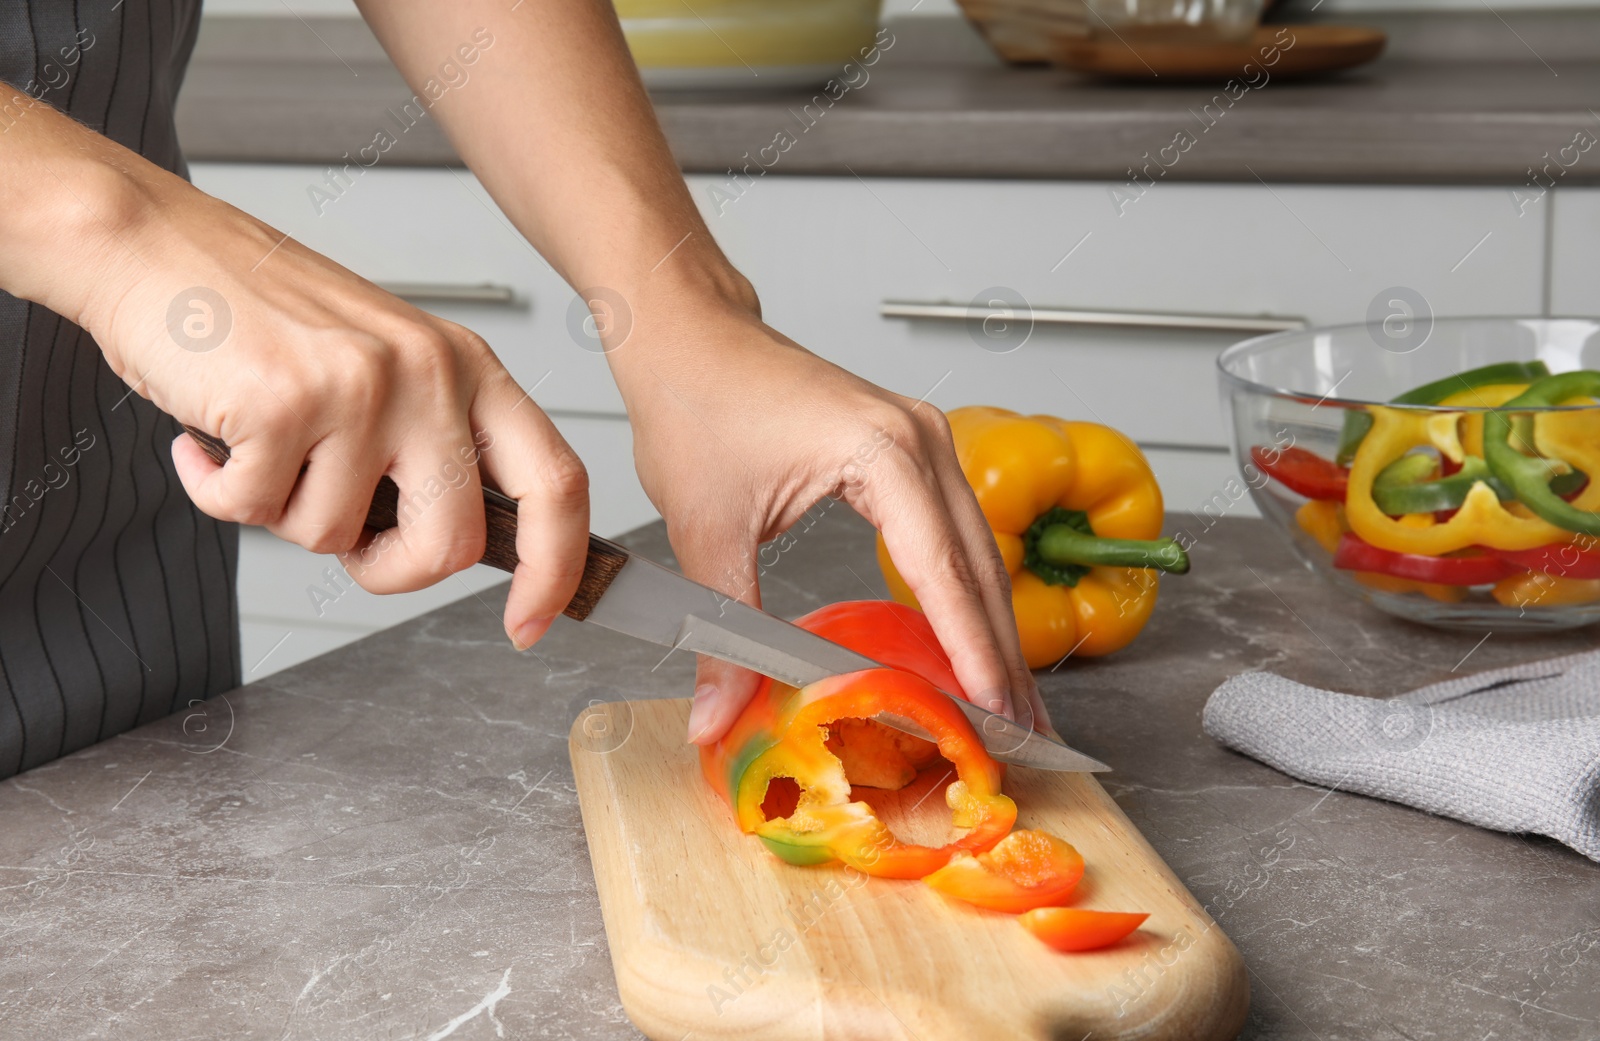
(116, 594)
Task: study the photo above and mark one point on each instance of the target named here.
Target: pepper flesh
(1530, 475)
(1358, 423)
(1077, 929)
(1068, 596)
(1476, 570)
(1481, 520)
(1579, 560)
(1302, 472)
(1536, 589)
(1025, 870)
(785, 733)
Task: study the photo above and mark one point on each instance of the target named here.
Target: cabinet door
(1574, 251)
(828, 253)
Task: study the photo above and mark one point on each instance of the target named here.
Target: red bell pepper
(1303, 472)
(787, 765)
(1354, 554)
(1565, 559)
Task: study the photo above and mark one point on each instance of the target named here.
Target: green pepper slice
(1403, 487)
(1530, 475)
(1358, 422)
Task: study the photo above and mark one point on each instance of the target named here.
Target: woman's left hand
(738, 431)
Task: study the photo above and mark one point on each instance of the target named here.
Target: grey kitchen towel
(1515, 749)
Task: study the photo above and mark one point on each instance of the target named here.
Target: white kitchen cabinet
(1574, 250)
(826, 255)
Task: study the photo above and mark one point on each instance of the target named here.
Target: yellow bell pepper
(1077, 516)
(1537, 589)
(1481, 521)
(1572, 436)
(1491, 395)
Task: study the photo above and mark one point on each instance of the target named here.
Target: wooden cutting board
(713, 937)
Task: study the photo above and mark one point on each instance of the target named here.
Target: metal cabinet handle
(451, 292)
(1138, 319)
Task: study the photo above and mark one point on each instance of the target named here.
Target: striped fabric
(116, 595)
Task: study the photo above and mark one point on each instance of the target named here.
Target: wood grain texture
(712, 937)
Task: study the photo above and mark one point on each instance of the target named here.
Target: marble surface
(384, 843)
(1462, 97)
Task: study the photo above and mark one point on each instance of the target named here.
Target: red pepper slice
(1302, 471)
(1565, 559)
(1355, 554)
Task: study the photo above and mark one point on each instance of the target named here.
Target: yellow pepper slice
(1481, 521)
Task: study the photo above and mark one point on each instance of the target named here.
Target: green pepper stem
(1062, 545)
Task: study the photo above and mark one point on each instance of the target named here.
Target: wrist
(686, 293)
(74, 242)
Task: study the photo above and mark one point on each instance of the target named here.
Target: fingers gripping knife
(631, 594)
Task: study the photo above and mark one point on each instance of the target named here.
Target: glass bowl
(1517, 557)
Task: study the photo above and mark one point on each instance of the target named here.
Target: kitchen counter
(385, 842)
(1457, 98)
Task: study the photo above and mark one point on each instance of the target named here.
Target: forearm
(553, 120)
(72, 201)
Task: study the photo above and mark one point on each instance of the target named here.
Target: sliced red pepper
(1075, 929)
(1478, 569)
(784, 767)
(1025, 870)
(1565, 559)
(1303, 472)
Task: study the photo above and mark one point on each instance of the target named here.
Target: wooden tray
(1314, 49)
(713, 937)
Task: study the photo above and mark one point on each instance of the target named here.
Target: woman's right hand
(322, 383)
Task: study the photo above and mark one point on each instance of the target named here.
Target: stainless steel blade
(657, 604)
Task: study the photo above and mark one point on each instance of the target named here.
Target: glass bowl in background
(1300, 401)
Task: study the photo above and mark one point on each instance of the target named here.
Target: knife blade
(627, 593)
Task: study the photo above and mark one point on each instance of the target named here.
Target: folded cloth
(1514, 749)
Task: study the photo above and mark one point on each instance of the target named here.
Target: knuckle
(327, 536)
(457, 551)
(941, 566)
(564, 479)
(254, 510)
(430, 357)
(367, 376)
(935, 422)
(898, 428)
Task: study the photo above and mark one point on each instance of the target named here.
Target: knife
(631, 594)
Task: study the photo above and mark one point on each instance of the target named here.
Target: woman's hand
(739, 430)
(322, 383)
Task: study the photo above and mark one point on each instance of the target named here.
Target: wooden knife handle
(500, 545)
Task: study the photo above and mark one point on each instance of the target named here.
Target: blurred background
(1064, 234)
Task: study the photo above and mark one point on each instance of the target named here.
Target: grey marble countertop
(384, 842)
(1457, 98)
